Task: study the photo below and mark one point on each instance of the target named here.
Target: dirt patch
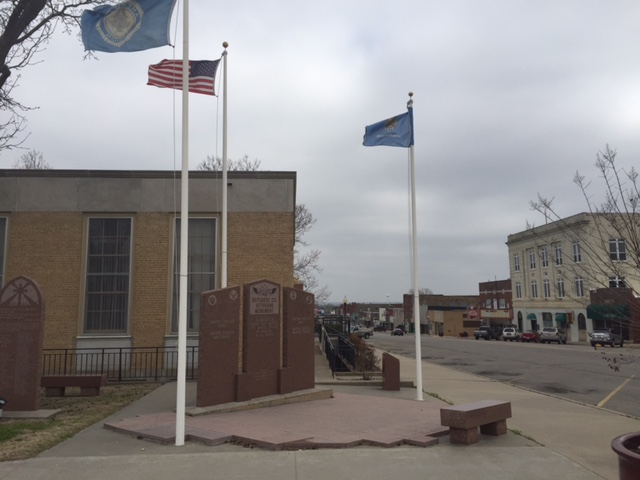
(22, 439)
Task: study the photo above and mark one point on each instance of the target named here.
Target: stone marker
(390, 372)
(260, 340)
(298, 372)
(218, 352)
(21, 339)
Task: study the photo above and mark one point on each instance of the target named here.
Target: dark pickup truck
(488, 333)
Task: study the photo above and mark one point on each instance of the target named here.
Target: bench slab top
(481, 404)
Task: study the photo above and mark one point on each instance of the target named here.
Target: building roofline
(55, 173)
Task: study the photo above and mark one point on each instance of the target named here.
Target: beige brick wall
(151, 285)
(260, 245)
(47, 247)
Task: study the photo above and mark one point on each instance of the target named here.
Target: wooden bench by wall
(463, 420)
(89, 384)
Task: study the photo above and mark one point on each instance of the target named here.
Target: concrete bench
(463, 420)
(89, 384)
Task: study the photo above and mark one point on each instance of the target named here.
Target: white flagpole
(223, 265)
(416, 288)
(184, 240)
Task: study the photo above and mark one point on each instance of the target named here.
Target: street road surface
(576, 372)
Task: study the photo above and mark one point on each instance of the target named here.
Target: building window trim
(560, 285)
(516, 262)
(617, 250)
(558, 254)
(579, 283)
(577, 252)
(202, 252)
(532, 259)
(107, 289)
(544, 257)
(546, 288)
(534, 289)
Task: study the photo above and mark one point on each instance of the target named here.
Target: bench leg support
(495, 428)
(464, 436)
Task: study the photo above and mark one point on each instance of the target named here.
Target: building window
(617, 250)
(518, 290)
(501, 303)
(201, 267)
(3, 236)
(487, 304)
(532, 259)
(544, 257)
(108, 275)
(546, 287)
(534, 289)
(617, 282)
(560, 287)
(516, 262)
(577, 253)
(558, 254)
(579, 287)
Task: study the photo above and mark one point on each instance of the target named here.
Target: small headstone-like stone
(21, 339)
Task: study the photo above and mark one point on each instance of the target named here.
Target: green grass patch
(9, 431)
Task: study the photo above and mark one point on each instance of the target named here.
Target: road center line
(610, 396)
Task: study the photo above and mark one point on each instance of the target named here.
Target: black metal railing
(119, 364)
(341, 357)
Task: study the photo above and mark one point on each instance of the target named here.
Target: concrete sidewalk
(550, 438)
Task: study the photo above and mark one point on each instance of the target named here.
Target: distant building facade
(442, 314)
(555, 269)
(495, 303)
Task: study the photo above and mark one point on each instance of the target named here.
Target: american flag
(168, 74)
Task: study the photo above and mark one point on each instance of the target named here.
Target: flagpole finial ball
(225, 44)
(411, 94)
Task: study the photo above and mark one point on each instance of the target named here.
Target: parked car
(606, 337)
(380, 328)
(553, 334)
(530, 336)
(362, 332)
(511, 334)
(487, 332)
(397, 331)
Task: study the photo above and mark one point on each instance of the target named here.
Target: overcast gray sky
(511, 97)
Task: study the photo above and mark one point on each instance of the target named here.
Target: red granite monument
(218, 360)
(21, 339)
(267, 349)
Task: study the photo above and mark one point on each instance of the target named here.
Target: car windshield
(601, 331)
(548, 329)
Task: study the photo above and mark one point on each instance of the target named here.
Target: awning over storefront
(561, 318)
(532, 316)
(602, 313)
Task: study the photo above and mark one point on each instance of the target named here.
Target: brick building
(495, 306)
(104, 246)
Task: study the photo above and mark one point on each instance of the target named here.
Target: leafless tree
(32, 160)
(306, 263)
(618, 213)
(243, 164)
(27, 26)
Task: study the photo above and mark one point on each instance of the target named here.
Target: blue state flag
(129, 26)
(393, 132)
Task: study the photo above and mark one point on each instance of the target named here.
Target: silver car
(553, 334)
(606, 337)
